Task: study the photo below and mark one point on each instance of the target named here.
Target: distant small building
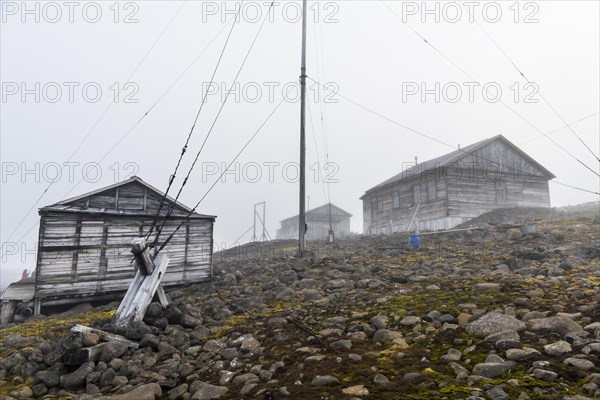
(317, 220)
(451, 189)
(84, 248)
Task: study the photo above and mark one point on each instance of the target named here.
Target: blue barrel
(415, 241)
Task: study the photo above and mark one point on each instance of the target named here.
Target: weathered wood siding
(470, 199)
(84, 247)
(492, 176)
(98, 258)
(389, 219)
(318, 224)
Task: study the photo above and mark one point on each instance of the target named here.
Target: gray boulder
(560, 325)
(494, 322)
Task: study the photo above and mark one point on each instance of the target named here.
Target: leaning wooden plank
(162, 297)
(106, 336)
(133, 288)
(146, 265)
(136, 310)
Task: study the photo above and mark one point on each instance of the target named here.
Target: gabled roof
(453, 157)
(324, 208)
(67, 204)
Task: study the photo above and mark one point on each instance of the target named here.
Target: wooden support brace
(162, 297)
(146, 265)
(140, 293)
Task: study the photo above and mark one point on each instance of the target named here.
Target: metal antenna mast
(301, 215)
(265, 235)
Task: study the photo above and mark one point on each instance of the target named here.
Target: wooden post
(8, 311)
(142, 255)
(37, 305)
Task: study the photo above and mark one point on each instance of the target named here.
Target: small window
(431, 191)
(416, 194)
(500, 191)
(396, 199)
(379, 204)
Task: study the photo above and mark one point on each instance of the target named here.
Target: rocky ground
(483, 314)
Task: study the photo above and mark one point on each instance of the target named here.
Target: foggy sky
(360, 48)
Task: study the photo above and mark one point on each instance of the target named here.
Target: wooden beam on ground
(106, 336)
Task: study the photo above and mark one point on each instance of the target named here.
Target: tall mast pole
(301, 215)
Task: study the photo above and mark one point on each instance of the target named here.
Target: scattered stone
(22, 392)
(486, 286)
(76, 379)
(544, 375)
(324, 380)
(526, 353)
(386, 335)
(560, 325)
(380, 378)
(341, 345)
(358, 390)
(90, 339)
(150, 391)
(558, 348)
(494, 322)
(379, 321)
(206, 391)
(579, 363)
(410, 320)
(490, 370)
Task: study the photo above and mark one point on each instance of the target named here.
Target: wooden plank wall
(396, 219)
(465, 190)
(82, 254)
(473, 198)
(457, 201)
(318, 227)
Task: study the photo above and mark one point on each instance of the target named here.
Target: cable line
(242, 235)
(575, 187)
(97, 121)
(187, 141)
(423, 134)
(222, 173)
(500, 101)
(124, 136)
(561, 128)
(107, 153)
(543, 98)
(172, 206)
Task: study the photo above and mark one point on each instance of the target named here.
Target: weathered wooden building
(451, 189)
(85, 242)
(317, 221)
